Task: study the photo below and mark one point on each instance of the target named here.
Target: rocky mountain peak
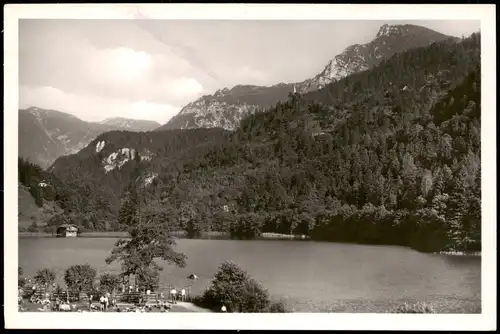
(227, 106)
(221, 92)
(388, 30)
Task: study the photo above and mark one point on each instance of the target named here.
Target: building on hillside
(67, 230)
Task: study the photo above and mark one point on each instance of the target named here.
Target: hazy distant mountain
(130, 124)
(45, 135)
(227, 107)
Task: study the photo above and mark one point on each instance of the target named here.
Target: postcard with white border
(244, 166)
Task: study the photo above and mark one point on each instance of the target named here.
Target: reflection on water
(311, 276)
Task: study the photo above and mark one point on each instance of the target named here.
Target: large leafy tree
(150, 239)
(45, 277)
(80, 278)
(109, 283)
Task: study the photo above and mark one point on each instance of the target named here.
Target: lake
(308, 276)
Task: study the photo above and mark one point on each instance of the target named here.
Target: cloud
(65, 70)
(187, 87)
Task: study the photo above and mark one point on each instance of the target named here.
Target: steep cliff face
(389, 40)
(226, 107)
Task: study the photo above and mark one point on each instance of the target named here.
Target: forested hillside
(101, 172)
(390, 156)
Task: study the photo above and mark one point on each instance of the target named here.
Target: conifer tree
(458, 211)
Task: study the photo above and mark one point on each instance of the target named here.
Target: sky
(150, 69)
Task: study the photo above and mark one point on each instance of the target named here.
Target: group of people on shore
(182, 297)
(174, 295)
(104, 302)
(41, 295)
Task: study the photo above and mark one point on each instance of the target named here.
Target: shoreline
(447, 305)
(176, 234)
(82, 235)
(460, 253)
(219, 236)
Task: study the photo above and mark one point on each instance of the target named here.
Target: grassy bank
(180, 307)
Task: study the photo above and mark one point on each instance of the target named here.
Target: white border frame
(484, 321)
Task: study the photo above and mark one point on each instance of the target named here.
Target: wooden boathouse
(67, 230)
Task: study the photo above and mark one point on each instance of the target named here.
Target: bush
(420, 307)
(33, 228)
(277, 307)
(20, 280)
(255, 298)
(202, 301)
(233, 288)
(49, 230)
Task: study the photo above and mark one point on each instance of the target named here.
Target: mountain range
(45, 135)
(226, 107)
(390, 154)
(400, 140)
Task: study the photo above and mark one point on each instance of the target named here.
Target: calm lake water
(308, 276)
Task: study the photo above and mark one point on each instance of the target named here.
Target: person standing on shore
(90, 302)
(58, 302)
(183, 294)
(101, 302)
(161, 298)
(173, 292)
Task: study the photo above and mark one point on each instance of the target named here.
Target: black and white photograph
(180, 166)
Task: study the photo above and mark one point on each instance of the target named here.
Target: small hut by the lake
(67, 230)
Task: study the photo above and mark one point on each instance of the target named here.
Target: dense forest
(387, 156)
(89, 196)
